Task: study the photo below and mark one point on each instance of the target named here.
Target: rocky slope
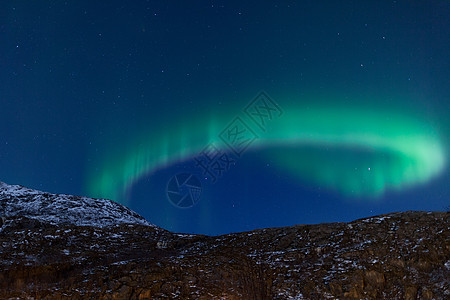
(60, 209)
(67, 247)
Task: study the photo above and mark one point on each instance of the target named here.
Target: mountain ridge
(403, 255)
(62, 208)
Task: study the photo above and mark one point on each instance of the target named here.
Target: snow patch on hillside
(60, 209)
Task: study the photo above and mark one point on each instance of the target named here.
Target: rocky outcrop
(59, 209)
(394, 256)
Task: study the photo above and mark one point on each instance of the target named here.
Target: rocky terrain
(69, 247)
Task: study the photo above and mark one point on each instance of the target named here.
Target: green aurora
(315, 143)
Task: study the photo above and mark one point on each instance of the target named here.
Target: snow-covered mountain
(60, 209)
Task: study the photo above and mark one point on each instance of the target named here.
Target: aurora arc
(398, 151)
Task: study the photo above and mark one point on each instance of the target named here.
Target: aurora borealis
(399, 151)
(113, 99)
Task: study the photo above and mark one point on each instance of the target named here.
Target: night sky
(267, 113)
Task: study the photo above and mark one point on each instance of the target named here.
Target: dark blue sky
(84, 84)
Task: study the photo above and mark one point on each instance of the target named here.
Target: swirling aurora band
(397, 151)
